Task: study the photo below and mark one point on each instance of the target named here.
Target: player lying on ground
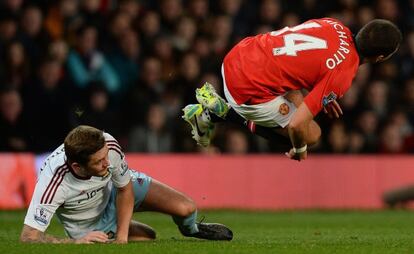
(87, 183)
(260, 73)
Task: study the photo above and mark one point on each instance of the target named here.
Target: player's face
(98, 163)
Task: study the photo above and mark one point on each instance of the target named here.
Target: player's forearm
(297, 135)
(31, 235)
(125, 206)
(298, 127)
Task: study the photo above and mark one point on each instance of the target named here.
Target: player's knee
(186, 208)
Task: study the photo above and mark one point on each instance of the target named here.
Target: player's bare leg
(140, 232)
(164, 199)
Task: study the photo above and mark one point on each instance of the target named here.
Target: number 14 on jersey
(306, 42)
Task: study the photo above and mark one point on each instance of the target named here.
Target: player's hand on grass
(93, 237)
(297, 156)
(333, 109)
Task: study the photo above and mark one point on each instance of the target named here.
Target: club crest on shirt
(329, 98)
(42, 216)
(284, 109)
(140, 181)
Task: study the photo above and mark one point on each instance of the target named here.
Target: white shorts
(274, 113)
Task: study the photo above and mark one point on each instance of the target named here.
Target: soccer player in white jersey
(86, 182)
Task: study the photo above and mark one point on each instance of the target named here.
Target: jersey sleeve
(119, 166)
(48, 196)
(330, 88)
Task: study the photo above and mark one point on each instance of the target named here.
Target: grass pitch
(254, 232)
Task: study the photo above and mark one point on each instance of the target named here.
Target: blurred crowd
(129, 66)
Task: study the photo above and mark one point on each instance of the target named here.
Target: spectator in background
(270, 13)
(185, 33)
(146, 90)
(236, 142)
(61, 18)
(15, 69)
(86, 63)
(356, 142)
(198, 9)
(391, 141)
(408, 99)
(220, 32)
(131, 7)
(13, 127)
(125, 61)
(119, 24)
(202, 48)
(153, 137)
(32, 33)
(407, 63)
(149, 25)
(97, 111)
(90, 11)
(8, 30)
(337, 138)
(58, 50)
(367, 123)
(376, 98)
(47, 100)
(239, 18)
(163, 50)
(171, 11)
(12, 6)
(188, 77)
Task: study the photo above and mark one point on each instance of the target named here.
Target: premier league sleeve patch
(329, 98)
(124, 168)
(42, 216)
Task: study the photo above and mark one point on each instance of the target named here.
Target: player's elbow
(296, 127)
(314, 134)
(311, 132)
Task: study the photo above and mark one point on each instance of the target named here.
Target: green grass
(254, 232)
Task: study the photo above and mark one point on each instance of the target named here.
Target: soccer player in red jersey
(262, 76)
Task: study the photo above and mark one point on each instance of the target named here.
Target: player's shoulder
(56, 161)
(113, 146)
(326, 20)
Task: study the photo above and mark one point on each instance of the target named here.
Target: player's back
(262, 67)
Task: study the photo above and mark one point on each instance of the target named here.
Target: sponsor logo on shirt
(42, 216)
(329, 98)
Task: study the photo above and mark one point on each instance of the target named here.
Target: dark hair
(378, 37)
(82, 142)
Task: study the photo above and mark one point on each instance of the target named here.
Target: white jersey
(78, 202)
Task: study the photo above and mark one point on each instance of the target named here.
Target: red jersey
(318, 55)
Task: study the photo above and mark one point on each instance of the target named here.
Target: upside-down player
(262, 76)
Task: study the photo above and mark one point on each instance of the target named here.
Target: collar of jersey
(76, 175)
